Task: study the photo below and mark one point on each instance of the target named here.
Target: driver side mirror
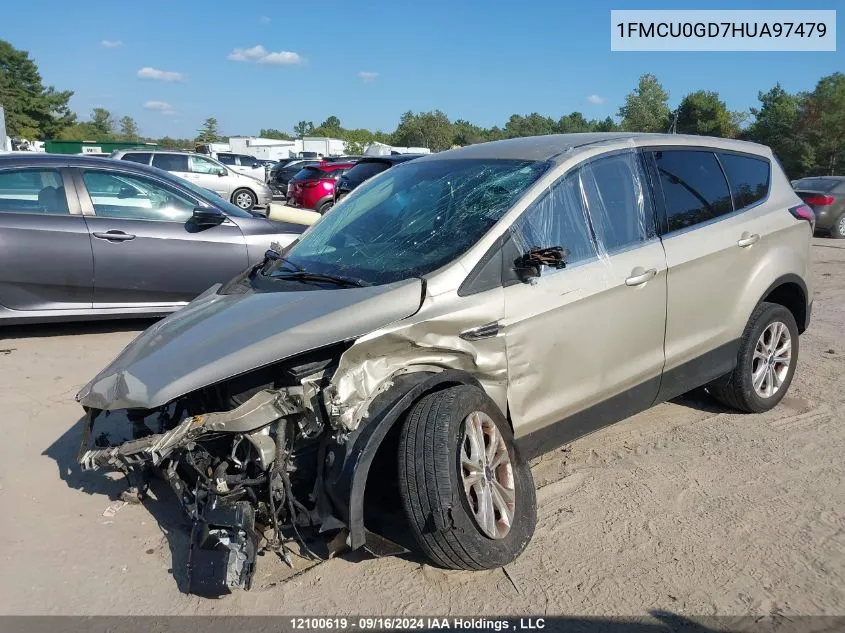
(207, 216)
(222, 172)
(530, 265)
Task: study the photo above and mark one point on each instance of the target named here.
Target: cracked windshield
(393, 227)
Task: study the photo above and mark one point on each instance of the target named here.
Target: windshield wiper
(272, 255)
(304, 275)
(300, 274)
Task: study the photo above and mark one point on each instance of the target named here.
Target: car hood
(216, 337)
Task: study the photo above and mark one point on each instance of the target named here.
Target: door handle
(114, 236)
(639, 276)
(748, 239)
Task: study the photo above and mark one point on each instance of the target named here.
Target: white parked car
(243, 164)
(243, 190)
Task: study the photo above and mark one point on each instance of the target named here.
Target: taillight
(819, 201)
(803, 212)
(328, 185)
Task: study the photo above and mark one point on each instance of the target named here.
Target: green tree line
(806, 129)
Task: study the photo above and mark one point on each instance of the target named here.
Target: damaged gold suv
(450, 319)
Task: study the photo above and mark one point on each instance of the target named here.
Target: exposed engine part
(230, 470)
(223, 548)
(260, 410)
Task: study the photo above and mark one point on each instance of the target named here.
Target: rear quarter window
(748, 178)
(308, 173)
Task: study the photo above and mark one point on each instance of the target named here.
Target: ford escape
(450, 319)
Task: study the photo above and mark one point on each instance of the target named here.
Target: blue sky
(367, 62)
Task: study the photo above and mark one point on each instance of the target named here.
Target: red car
(313, 186)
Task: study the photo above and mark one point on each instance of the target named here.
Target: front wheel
(768, 354)
(244, 199)
(467, 493)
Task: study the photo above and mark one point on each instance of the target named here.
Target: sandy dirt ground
(688, 508)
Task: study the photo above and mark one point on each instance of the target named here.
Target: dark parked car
(365, 169)
(313, 186)
(283, 172)
(826, 194)
(84, 238)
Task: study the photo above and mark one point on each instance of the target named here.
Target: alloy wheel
(772, 358)
(487, 475)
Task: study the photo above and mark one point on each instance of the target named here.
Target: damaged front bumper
(223, 497)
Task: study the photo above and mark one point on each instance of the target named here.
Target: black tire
(328, 204)
(431, 488)
(242, 195)
(838, 229)
(736, 390)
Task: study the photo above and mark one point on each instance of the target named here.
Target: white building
(316, 146)
(383, 149)
(276, 149)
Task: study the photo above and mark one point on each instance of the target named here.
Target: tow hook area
(223, 547)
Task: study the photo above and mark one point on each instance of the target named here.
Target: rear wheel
(468, 495)
(328, 204)
(766, 362)
(244, 199)
(838, 229)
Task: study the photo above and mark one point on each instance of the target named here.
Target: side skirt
(672, 383)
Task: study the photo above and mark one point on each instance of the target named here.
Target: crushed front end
(242, 457)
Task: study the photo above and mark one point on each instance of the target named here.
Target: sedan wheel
(244, 199)
(838, 230)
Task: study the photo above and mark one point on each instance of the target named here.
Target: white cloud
(261, 55)
(264, 19)
(367, 76)
(161, 75)
(595, 99)
(160, 106)
(282, 58)
(111, 43)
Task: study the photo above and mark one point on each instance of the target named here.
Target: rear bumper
(826, 217)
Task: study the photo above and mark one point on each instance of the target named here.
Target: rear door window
(227, 159)
(138, 157)
(171, 162)
(32, 191)
(694, 187)
(748, 178)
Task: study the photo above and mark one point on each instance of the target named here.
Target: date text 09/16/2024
(419, 623)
